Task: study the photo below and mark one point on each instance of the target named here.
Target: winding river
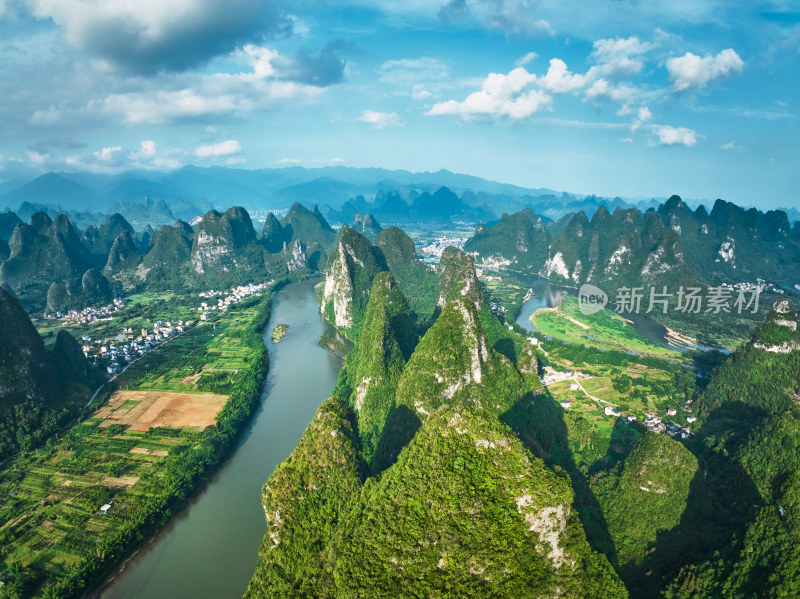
(210, 549)
(548, 296)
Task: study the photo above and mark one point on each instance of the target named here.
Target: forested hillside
(49, 265)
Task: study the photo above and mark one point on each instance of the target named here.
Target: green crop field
(55, 541)
(604, 329)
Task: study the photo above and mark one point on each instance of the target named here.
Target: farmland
(175, 415)
(634, 385)
(604, 330)
(143, 410)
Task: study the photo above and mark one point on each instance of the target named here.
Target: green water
(210, 549)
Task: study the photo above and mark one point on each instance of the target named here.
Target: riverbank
(603, 330)
(209, 550)
(63, 543)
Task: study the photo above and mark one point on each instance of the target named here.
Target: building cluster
(759, 286)
(226, 299)
(656, 425)
(497, 309)
(551, 375)
(433, 251)
(88, 315)
(125, 347)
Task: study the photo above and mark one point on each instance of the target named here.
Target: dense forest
(408, 481)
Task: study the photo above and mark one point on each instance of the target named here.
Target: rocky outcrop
(348, 278)
(454, 365)
(367, 225)
(779, 334)
(298, 258)
(218, 239)
(457, 278)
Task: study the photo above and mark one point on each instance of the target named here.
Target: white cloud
(36, 158)
(601, 89)
(731, 145)
(619, 57)
(418, 92)
(380, 120)
(289, 161)
(513, 16)
(559, 80)
(46, 117)
(223, 148)
(148, 147)
(675, 136)
(406, 72)
(500, 96)
(190, 96)
(642, 116)
(690, 70)
(529, 57)
(106, 154)
(146, 151)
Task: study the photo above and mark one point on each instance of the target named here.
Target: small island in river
(279, 332)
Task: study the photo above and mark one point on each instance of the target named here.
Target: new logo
(591, 299)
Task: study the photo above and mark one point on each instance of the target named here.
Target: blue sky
(613, 97)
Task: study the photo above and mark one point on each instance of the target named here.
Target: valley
(476, 365)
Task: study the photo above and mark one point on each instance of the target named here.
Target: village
(432, 252)
(88, 315)
(127, 346)
(654, 423)
(226, 299)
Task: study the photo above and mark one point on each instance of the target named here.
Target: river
(548, 296)
(210, 549)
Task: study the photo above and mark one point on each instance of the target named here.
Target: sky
(634, 98)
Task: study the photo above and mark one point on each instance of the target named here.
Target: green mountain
(26, 368)
(519, 242)
(224, 243)
(43, 252)
(751, 427)
(348, 279)
(166, 265)
(123, 255)
(644, 496)
(367, 225)
(416, 279)
(672, 245)
(273, 235)
(304, 501)
(457, 278)
(468, 512)
(371, 371)
(69, 360)
(454, 364)
(309, 231)
(98, 240)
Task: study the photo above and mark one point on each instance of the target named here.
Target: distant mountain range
(51, 264)
(393, 196)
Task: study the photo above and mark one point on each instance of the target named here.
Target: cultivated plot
(144, 409)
